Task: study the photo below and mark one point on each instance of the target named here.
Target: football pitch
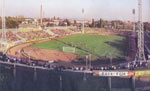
(97, 45)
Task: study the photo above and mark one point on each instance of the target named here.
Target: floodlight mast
(41, 15)
(3, 41)
(134, 22)
(83, 31)
(140, 52)
(3, 38)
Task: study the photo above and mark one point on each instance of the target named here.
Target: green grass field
(96, 45)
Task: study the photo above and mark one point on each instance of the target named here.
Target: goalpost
(69, 49)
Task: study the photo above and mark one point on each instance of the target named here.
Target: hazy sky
(106, 9)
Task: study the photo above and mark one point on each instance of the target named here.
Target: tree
(61, 23)
(48, 24)
(101, 22)
(11, 22)
(93, 23)
(75, 22)
(68, 22)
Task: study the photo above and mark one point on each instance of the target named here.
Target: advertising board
(112, 73)
(142, 73)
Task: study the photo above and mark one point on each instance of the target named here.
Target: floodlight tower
(3, 38)
(83, 30)
(41, 15)
(140, 52)
(133, 11)
(3, 41)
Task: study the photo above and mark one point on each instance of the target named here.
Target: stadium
(73, 47)
(57, 54)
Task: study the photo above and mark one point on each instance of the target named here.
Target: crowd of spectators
(60, 32)
(31, 35)
(29, 62)
(75, 30)
(25, 61)
(119, 32)
(10, 36)
(135, 65)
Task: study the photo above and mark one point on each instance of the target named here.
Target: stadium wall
(50, 80)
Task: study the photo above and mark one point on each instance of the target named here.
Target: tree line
(11, 22)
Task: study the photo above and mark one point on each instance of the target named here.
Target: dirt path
(46, 55)
(15, 51)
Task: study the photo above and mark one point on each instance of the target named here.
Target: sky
(106, 9)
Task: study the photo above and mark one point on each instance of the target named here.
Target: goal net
(69, 49)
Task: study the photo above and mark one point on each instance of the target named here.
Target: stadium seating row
(59, 32)
(32, 35)
(10, 36)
